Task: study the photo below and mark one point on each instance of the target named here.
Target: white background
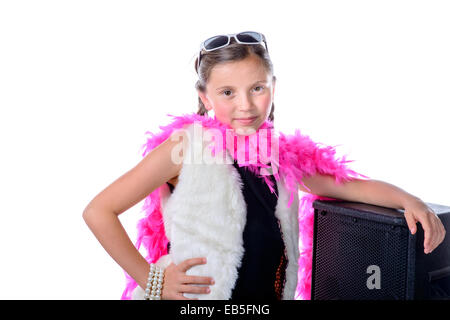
(81, 82)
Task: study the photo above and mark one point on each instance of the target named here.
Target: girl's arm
(101, 214)
(384, 194)
(366, 191)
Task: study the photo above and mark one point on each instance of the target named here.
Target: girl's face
(238, 91)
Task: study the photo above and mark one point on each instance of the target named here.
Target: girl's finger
(180, 296)
(427, 229)
(197, 280)
(195, 289)
(443, 232)
(411, 222)
(435, 234)
(439, 230)
(189, 263)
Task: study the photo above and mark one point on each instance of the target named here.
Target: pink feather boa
(298, 156)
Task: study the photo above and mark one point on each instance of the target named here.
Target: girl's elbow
(90, 214)
(87, 214)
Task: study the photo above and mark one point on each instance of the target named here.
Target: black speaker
(366, 252)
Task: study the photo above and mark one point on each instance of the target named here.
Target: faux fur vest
(205, 216)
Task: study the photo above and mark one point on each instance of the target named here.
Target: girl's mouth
(246, 121)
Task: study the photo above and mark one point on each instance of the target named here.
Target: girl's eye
(225, 91)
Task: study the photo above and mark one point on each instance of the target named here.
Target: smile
(246, 120)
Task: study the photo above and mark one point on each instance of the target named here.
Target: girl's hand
(176, 282)
(434, 231)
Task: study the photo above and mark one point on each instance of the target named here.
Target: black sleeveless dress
(261, 275)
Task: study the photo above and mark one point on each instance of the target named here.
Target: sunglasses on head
(220, 41)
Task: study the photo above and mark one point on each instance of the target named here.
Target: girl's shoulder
(163, 161)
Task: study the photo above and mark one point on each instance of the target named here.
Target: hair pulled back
(233, 52)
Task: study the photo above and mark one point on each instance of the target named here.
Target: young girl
(221, 194)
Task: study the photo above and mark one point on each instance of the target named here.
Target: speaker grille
(355, 244)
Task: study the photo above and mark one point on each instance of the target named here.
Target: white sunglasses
(220, 41)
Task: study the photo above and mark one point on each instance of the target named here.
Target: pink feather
(298, 156)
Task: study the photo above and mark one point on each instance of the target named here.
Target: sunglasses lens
(249, 37)
(215, 42)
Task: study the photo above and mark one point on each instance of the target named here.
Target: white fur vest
(205, 216)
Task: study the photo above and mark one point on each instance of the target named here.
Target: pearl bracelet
(154, 283)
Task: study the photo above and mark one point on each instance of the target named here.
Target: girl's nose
(245, 103)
